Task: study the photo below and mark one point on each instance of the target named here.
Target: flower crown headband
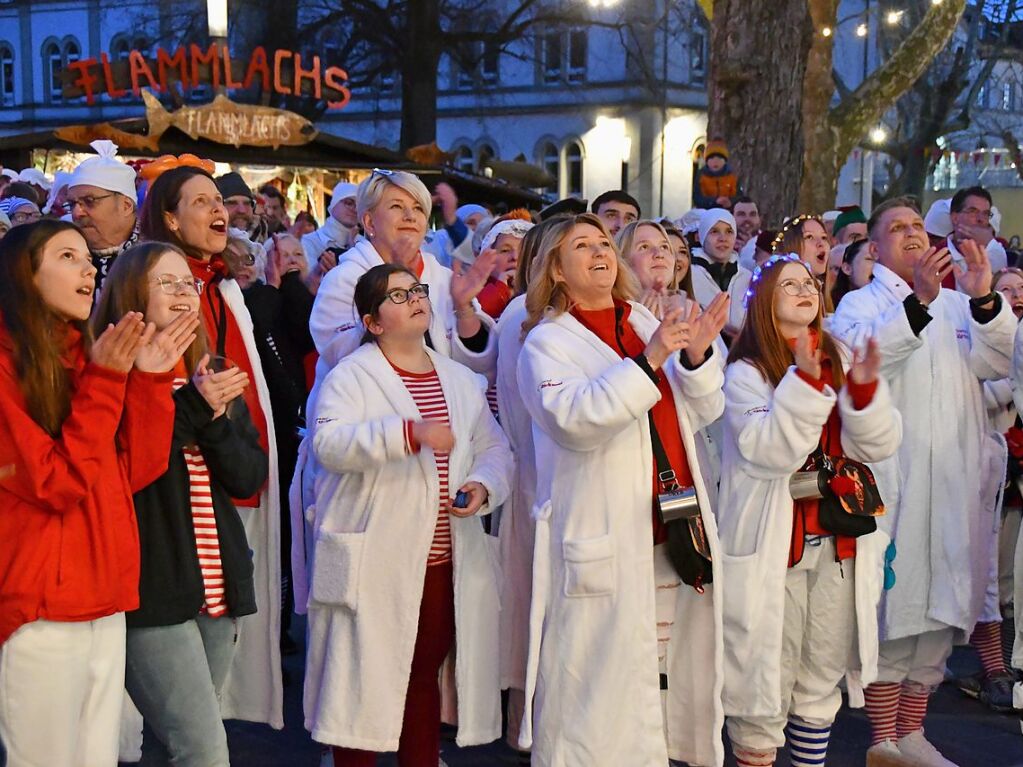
(792, 223)
(787, 258)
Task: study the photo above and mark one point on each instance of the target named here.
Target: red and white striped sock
(987, 639)
(745, 757)
(912, 708)
(882, 703)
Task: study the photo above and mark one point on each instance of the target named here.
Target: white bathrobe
(373, 521)
(768, 435)
(940, 514)
(705, 290)
(593, 646)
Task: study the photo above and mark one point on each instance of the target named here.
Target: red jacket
(69, 548)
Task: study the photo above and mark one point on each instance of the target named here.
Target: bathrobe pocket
(336, 569)
(589, 566)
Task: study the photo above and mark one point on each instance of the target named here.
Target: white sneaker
(918, 751)
(885, 754)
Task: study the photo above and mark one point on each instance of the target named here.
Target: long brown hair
(163, 197)
(548, 296)
(528, 252)
(36, 331)
(759, 342)
(127, 289)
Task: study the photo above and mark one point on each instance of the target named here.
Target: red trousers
(419, 745)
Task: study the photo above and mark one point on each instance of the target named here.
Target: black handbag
(849, 497)
(679, 511)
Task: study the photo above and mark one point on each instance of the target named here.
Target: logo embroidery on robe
(962, 334)
(548, 384)
(758, 409)
(343, 328)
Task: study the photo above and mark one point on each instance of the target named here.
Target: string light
(878, 135)
(894, 17)
(861, 30)
(826, 31)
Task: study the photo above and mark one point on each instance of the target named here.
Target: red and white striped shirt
(205, 523)
(428, 395)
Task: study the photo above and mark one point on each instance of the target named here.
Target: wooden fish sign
(84, 135)
(226, 122)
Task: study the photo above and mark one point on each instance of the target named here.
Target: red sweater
(626, 343)
(210, 273)
(69, 548)
(805, 513)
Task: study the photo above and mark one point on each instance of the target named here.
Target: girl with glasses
(84, 422)
(196, 577)
(800, 600)
(403, 573)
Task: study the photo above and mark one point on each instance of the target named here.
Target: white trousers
(61, 687)
(818, 637)
(919, 659)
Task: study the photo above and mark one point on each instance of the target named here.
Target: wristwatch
(976, 303)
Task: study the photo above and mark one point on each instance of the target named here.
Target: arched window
(574, 168)
(6, 74)
(464, 159)
(119, 48)
(52, 66)
(483, 153)
(548, 157)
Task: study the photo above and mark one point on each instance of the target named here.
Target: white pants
(61, 687)
(818, 637)
(919, 659)
(1007, 538)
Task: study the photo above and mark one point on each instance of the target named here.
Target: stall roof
(326, 152)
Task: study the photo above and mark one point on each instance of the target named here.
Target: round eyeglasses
(173, 286)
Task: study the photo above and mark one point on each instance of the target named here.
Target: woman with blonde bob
(645, 246)
(801, 599)
(601, 379)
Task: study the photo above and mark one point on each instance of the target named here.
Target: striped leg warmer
(808, 743)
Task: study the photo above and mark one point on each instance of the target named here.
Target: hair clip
(791, 223)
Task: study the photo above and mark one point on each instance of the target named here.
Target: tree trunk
(419, 71)
(820, 150)
(758, 62)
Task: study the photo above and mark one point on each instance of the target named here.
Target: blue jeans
(174, 675)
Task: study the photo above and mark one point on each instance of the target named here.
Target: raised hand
(477, 497)
(807, 358)
(434, 434)
(866, 364)
(706, 326)
(165, 348)
(934, 266)
(218, 389)
(651, 299)
(672, 335)
(975, 279)
(467, 285)
(118, 345)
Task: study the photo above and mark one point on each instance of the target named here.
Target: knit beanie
(716, 147)
(233, 185)
(105, 171)
(711, 217)
(343, 190)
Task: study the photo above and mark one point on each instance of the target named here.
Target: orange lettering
(138, 67)
(340, 84)
(179, 61)
(108, 76)
(307, 74)
(279, 57)
(258, 63)
(211, 59)
(229, 81)
(85, 79)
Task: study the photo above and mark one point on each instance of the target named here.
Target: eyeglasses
(400, 295)
(88, 202)
(173, 286)
(809, 286)
(984, 214)
(27, 217)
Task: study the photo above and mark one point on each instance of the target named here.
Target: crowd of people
(602, 485)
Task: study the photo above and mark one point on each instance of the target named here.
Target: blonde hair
(546, 296)
(371, 190)
(627, 238)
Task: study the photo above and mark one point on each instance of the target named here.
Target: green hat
(850, 215)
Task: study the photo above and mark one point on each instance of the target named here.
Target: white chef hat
(60, 180)
(996, 219)
(938, 220)
(710, 217)
(105, 171)
(34, 176)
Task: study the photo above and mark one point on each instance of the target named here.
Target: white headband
(515, 227)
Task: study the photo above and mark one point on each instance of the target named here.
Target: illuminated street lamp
(878, 135)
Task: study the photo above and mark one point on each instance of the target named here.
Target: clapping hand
(118, 345)
(165, 348)
(808, 359)
(705, 327)
(672, 335)
(218, 389)
(866, 364)
(933, 267)
(975, 279)
(467, 285)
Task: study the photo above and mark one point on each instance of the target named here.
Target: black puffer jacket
(170, 586)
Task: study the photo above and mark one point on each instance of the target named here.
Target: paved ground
(963, 729)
